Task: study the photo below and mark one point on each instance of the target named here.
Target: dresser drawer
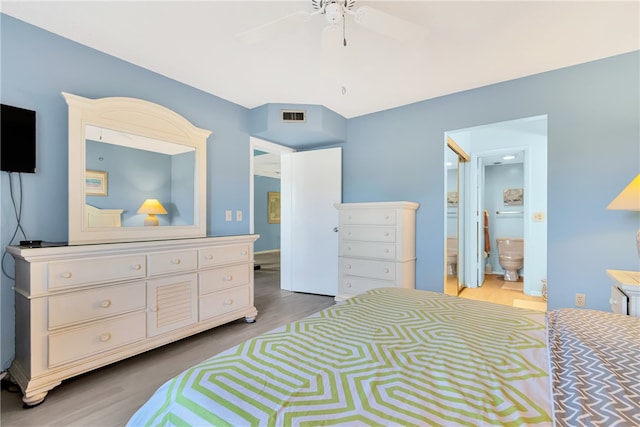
(88, 271)
(370, 216)
(355, 285)
(369, 233)
(368, 250)
(93, 304)
(223, 255)
(169, 262)
(218, 303)
(223, 278)
(95, 338)
(365, 268)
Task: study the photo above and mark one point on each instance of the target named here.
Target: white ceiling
(469, 44)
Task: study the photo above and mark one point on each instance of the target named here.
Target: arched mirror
(137, 171)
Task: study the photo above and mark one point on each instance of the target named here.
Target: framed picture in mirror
(96, 183)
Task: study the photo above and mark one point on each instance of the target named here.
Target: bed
(406, 357)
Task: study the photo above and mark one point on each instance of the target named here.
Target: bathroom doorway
(488, 145)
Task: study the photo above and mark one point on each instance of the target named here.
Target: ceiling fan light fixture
(334, 13)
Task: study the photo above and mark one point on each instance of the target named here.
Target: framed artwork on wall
(273, 205)
(96, 183)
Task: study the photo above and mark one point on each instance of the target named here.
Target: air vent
(291, 116)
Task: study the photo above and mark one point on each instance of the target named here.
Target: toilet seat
(511, 257)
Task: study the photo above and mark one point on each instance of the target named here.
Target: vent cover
(297, 116)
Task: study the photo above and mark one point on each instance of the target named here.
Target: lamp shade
(629, 197)
(151, 207)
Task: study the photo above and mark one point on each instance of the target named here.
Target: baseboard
(267, 251)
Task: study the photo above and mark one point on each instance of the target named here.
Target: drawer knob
(106, 303)
(154, 309)
(243, 252)
(386, 270)
(387, 251)
(227, 278)
(105, 337)
(67, 275)
(176, 261)
(386, 217)
(386, 234)
(348, 266)
(349, 248)
(349, 285)
(209, 257)
(228, 302)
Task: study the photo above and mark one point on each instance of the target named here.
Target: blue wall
(398, 154)
(269, 233)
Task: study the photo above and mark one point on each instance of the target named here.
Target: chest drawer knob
(208, 257)
(243, 252)
(105, 337)
(386, 270)
(348, 266)
(106, 303)
(154, 309)
(228, 302)
(176, 261)
(67, 275)
(227, 278)
(386, 234)
(137, 267)
(349, 285)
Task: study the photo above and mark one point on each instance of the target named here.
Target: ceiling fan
(335, 12)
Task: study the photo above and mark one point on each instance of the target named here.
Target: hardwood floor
(492, 291)
(110, 395)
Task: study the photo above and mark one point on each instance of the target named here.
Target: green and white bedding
(387, 357)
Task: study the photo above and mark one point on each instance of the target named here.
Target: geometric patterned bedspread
(386, 357)
(595, 368)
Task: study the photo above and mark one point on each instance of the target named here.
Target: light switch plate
(238, 215)
(227, 216)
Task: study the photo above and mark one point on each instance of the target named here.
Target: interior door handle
(335, 229)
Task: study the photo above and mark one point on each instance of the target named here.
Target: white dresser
(377, 246)
(625, 292)
(82, 307)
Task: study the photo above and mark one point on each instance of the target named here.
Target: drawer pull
(227, 278)
(154, 309)
(105, 337)
(67, 275)
(106, 303)
(386, 234)
(243, 252)
(349, 248)
(386, 217)
(176, 261)
(349, 285)
(208, 256)
(386, 251)
(137, 267)
(228, 302)
(386, 270)
(348, 266)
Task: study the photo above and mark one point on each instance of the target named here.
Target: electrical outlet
(227, 215)
(581, 300)
(238, 215)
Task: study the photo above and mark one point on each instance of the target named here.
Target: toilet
(452, 256)
(510, 256)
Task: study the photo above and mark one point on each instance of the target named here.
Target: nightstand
(625, 292)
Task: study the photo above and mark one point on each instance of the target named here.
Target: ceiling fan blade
(389, 25)
(274, 28)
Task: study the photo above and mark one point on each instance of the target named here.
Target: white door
(311, 182)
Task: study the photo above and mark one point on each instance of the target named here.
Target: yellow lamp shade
(151, 207)
(629, 197)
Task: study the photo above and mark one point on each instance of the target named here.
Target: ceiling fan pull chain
(344, 35)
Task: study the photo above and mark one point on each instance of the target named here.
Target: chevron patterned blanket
(387, 357)
(595, 368)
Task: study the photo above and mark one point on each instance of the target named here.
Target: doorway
(488, 145)
(311, 183)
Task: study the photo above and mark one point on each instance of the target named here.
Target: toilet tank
(510, 245)
(452, 245)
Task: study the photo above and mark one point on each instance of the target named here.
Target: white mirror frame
(137, 117)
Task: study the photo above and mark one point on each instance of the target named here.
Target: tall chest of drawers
(82, 307)
(377, 246)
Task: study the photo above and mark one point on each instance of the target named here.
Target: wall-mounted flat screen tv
(17, 139)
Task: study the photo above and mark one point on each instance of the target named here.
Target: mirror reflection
(134, 181)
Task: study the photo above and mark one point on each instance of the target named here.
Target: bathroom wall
(497, 179)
